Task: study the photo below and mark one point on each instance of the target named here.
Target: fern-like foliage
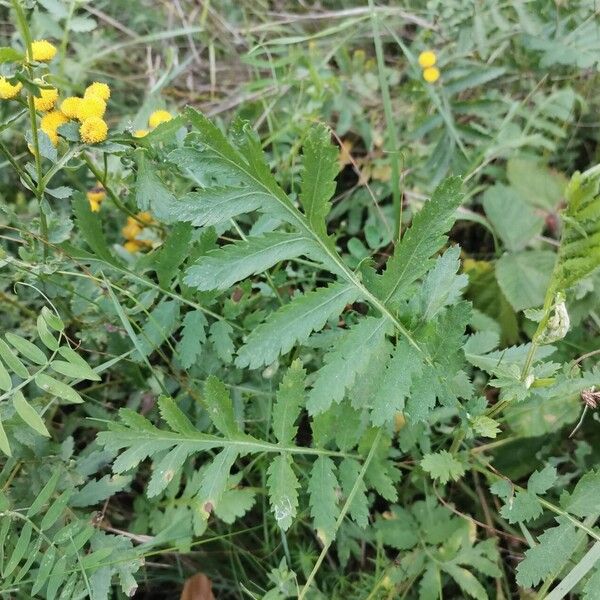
(404, 341)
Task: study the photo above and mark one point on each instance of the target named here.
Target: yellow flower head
(158, 117)
(133, 246)
(146, 218)
(95, 197)
(140, 133)
(132, 229)
(47, 100)
(93, 130)
(43, 51)
(91, 106)
(431, 74)
(98, 89)
(8, 90)
(52, 120)
(427, 59)
(70, 106)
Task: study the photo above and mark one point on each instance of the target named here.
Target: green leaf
(485, 426)
(395, 385)
(74, 371)
(161, 323)
(8, 54)
(26, 348)
(514, 220)
(220, 407)
(524, 276)
(165, 469)
(583, 501)
(524, 506)
(220, 337)
(400, 532)
(555, 547)
(45, 336)
(172, 253)
(320, 168)
(174, 416)
(29, 414)
(442, 286)
(290, 398)
(44, 496)
(193, 336)
(443, 466)
(90, 227)
(53, 320)
(220, 269)
(322, 488)
(234, 503)
(466, 580)
(151, 194)
(56, 578)
(411, 258)
(213, 206)
(4, 445)
(283, 485)
(541, 481)
(215, 479)
(536, 183)
(45, 567)
(293, 323)
(98, 490)
(57, 388)
(19, 550)
(349, 476)
(346, 361)
(56, 510)
(5, 379)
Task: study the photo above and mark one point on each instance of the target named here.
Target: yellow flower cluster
(95, 197)
(427, 61)
(155, 119)
(134, 229)
(89, 110)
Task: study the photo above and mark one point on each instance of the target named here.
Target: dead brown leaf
(197, 587)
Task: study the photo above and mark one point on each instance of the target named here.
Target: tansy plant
(244, 365)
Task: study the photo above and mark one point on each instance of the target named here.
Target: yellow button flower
(431, 74)
(132, 229)
(98, 89)
(47, 100)
(95, 197)
(91, 106)
(140, 133)
(8, 90)
(43, 51)
(133, 246)
(158, 117)
(146, 218)
(53, 120)
(427, 59)
(70, 106)
(93, 130)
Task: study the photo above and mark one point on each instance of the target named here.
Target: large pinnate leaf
(320, 168)
(220, 269)
(425, 237)
(293, 323)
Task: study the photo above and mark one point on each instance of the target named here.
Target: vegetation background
(384, 386)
